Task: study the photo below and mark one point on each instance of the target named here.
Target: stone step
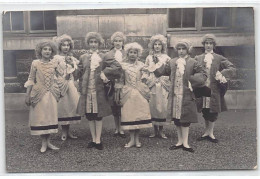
(11, 80)
(14, 88)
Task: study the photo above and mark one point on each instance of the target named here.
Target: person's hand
(219, 77)
(103, 77)
(27, 100)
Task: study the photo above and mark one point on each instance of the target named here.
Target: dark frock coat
(194, 73)
(222, 64)
(111, 68)
(111, 56)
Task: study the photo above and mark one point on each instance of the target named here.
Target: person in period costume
(117, 53)
(134, 96)
(159, 86)
(67, 105)
(219, 70)
(43, 94)
(94, 73)
(185, 74)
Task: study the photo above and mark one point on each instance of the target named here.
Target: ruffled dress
(135, 113)
(45, 94)
(159, 87)
(67, 105)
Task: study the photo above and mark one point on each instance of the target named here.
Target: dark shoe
(91, 145)
(203, 138)
(99, 146)
(212, 140)
(174, 147)
(122, 135)
(188, 149)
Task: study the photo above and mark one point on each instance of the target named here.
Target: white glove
(103, 77)
(220, 77)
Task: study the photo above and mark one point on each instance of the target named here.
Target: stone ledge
(236, 99)
(241, 99)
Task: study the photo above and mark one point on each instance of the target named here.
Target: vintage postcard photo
(130, 89)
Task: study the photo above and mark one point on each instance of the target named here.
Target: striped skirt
(135, 113)
(43, 118)
(67, 106)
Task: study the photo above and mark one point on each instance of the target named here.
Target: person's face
(93, 43)
(157, 46)
(118, 42)
(46, 52)
(132, 55)
(209, 45)
(65, 47)
(182, 51)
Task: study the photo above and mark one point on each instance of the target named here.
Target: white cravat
(181, 65)
(208, 59)
(95, 59)
(118, 56)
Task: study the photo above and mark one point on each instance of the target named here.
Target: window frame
(198, 22)
(39, 31)
(16, 31)
(217, 28)
(27, 29)
(171, 29)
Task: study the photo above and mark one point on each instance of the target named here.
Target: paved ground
(236, 131)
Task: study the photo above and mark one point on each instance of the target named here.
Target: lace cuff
(152, 68)
(190, 87)
(103, 77)
(29, 83)
(71, 69)
(220, 77)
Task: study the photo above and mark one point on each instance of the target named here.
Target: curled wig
(94, 35)
(44, 43)
(118, 34)
(63, 38)
(159, 38)
(209, 36)
(185, 43)
(134, 46)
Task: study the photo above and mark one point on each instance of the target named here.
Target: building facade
(233, 26)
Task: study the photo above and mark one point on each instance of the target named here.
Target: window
(216, 17)
(43, 21)
(9, 63)
(13, 21)
(197, 19)
(27, 23)
(181, 18)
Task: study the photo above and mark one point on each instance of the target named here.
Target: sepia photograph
(129, 89)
